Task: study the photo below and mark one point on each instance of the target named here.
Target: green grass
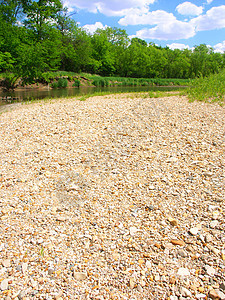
(209, 89)
(126, 81)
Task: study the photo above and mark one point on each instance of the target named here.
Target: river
(21, 95)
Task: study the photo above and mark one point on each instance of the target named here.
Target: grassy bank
(62, 79)
(209, 89)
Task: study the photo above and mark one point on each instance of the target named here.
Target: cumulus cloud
(209, 1)
(91, 28)
(178, 46)
(137, 17)
(213, 19)
(112, 7)
(173, 31)
(189, 9)
(220, 47)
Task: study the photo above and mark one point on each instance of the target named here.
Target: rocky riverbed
(116, 197)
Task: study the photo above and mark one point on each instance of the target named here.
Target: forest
(41, 36)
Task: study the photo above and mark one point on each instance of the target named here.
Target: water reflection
(33, 94)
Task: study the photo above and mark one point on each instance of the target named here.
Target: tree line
(41, 36)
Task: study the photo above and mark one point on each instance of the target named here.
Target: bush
(76, 83)
(210, 89)
(60, 84)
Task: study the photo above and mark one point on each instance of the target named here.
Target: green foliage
(209, 89)
(60, 84)
(76, 83)
(10, 81)
(49, 40)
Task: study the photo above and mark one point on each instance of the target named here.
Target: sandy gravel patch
(112, 198)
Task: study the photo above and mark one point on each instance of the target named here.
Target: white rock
(194, 230)
(185, 292)
(79, 275)
(183, 272)
(210, 270)
(4, 284)
(133, 230)
(213, 224)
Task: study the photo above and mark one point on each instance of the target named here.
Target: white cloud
(189, 9)
(220, 47)
(91, 28)
(178, 46)
(209, 1)
(213, 19)
(175, 30)
(110, 8)
(137, 17)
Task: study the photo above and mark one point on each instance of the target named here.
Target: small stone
(40, 241)
(213, 224)
(194, 231)
(151, 187)
(24, 267)
(182, 253)
(183, 272)
(220, 294)
(79, 275)
(133, 230)
(4, 284)
(132, 282)
(61, 219)
(6, 263)
(140, 288)
(157, 277)
(150, 207)
(215, 215)
(148, 264)
(178, 242)
(50, 271)
(59, 295)
(210, 270)
(213, 295)
(173, 298)
(222, 286)
(185, 292)
(173, 221)
(73, 187)
(208, 238)
(201, 296)
(21, 295)
(213, 249)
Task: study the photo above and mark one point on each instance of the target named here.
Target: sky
(173, 23)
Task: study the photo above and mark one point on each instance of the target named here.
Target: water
(34, 94)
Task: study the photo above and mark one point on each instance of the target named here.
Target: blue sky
(177, 24)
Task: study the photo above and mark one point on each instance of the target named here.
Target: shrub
(76, 83)
(60, 84)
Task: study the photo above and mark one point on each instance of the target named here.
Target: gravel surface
(117, 197)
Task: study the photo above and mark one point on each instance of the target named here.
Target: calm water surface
(33, 94)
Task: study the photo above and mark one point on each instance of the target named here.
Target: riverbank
(115, 197)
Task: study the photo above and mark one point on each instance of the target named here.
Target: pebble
(213, 224)
(4, 284)
(185, 292)
(194, 230)
(173, 221)
(112, 200)
(6, 263)
(79, 275)
(178, 242)
(183, 272)
(210, 270)
(213, 295)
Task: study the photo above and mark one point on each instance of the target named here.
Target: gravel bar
(115, 197)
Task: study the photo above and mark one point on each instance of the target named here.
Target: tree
(40, 15)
